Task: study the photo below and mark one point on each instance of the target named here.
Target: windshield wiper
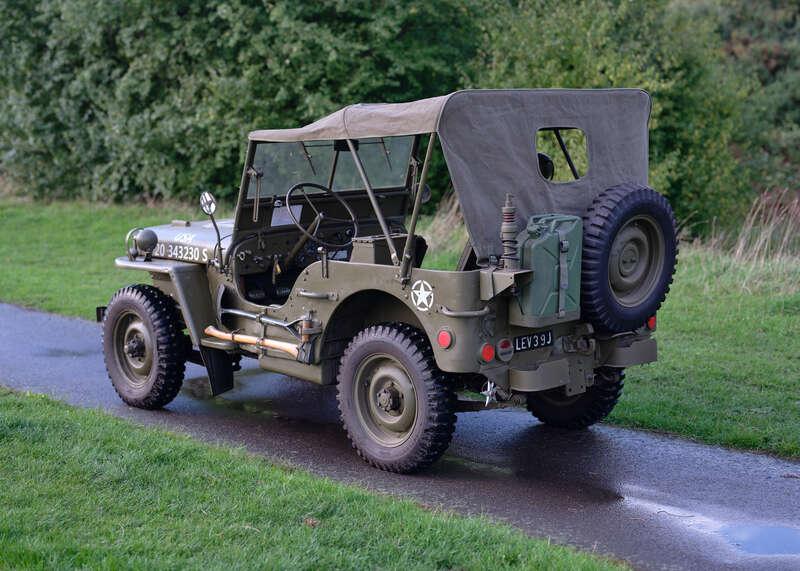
(386, 153)
(308, 158)
(258, 173)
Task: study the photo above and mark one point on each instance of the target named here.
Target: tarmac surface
(654, 501)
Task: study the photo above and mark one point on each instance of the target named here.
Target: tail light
(444, 339)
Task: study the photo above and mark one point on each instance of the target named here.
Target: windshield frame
(339, 148)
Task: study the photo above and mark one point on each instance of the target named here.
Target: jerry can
(550, 245)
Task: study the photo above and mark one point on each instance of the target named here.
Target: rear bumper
(576, 371)
(638, 352)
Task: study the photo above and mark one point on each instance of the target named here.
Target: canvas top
(489, 142)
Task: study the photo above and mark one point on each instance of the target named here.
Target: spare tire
(630, 247)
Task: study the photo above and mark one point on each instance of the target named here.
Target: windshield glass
(283, 165)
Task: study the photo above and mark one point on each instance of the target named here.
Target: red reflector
(444, 339)
(487, 352)
(651, 323)
(505, 350)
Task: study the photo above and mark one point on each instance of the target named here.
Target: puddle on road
(763, 539)
(252, 406)
(751, 538)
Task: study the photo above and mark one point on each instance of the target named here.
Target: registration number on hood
(181, 252)
(533, 341)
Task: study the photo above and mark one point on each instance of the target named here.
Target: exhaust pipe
(262, 342)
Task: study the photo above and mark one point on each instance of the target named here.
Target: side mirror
(208, 204)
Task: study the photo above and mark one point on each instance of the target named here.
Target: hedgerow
(133, 98)
(123, 100)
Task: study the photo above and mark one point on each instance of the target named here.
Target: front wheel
(397, 407)
(144, 346)
(555, 408)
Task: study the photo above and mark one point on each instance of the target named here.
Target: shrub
(763, 39)
(128, 98)
(653, 44)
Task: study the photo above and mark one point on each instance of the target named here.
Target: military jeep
(320, 276)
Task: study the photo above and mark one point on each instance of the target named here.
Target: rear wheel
(397, 407)
(144, 346)
(555, 408)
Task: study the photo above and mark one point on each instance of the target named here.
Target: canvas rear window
(562, 153)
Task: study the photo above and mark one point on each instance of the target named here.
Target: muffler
(263, 342)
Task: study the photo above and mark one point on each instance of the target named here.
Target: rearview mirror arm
(219, 242)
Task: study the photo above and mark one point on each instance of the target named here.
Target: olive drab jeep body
(320, 274)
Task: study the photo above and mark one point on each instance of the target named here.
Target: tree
(652, 44)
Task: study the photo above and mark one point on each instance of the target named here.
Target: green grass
(729, 356)
(729, 335)
(60, 257)
(79, 488)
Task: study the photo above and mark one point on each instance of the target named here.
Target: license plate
(182, 252)
(533, 341)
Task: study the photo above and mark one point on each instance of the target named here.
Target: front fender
(186, 283)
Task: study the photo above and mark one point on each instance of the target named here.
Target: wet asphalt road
(654, 501)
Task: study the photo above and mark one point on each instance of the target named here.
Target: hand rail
(331, 296)
(464, 313)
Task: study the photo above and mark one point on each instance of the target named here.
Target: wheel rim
(134, 348)
(636, 260)
(385, 399)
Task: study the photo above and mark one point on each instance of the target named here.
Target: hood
(190, 241)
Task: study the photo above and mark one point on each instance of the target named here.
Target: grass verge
(729, 334)
(60, 257)
(729, 356)
(82, 489)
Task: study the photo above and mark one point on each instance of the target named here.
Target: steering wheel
(313, 228)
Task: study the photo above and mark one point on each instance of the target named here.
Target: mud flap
(220, 369)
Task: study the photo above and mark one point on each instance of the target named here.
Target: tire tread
(441, 396)
(170, 344)
(594, 405)
(599, 224)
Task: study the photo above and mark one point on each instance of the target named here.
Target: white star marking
(422, 295)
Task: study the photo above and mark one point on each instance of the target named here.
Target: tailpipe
(263, 342)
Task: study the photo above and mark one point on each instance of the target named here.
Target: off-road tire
(554, 408)
(611, 212)
(159, 315)
(435, 417)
